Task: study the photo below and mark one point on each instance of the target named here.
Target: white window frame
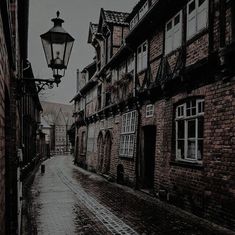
(131, 64)
(181, 115)
(173, 36)
(149, 110)
(134, 21)
(197, 20)
(143, 10)
(142, 57)
(127, 137)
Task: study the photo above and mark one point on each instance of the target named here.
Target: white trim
(173, 35)
(149, 112)
(197, 20)
(142, 57)
(186, 119)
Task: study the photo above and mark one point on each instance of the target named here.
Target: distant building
(59, 118)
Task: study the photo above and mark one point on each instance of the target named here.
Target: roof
(135, 9)
(44, 123)
(89, 66)
(115, 17)
(93, 29)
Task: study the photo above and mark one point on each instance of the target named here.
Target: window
(127, 134)
(143, 9)
(134, 21)
(197, 17)
(142, 57)
(99, 96)
(189, 130)
(83, 142)
(149, 110)
(121, 70)
(173, 37)
(131, 65)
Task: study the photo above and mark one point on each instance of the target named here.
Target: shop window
(189, 124)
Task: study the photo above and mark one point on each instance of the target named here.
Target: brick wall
(4, 86)
(209, 190)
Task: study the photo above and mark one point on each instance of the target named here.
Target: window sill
(126, 157)
(173, 52)
(141, 71)
(186, 164)
(196, 36)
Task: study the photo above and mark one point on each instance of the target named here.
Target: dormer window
(143, 9)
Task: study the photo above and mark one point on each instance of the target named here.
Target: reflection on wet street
(68, 200)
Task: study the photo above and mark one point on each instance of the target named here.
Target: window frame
(143, 10)
(134, 21)
(149, 112)
(171, 34)
(142, 63)
(127, 136)
(196, 14)
(181, 115)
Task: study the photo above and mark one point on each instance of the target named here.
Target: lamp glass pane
(47, 49)
(58, 53)
(67, 52)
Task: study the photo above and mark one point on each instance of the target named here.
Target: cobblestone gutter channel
(105, 216)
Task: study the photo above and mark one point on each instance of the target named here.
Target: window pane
(202, 18)
(177, 19)
(200, 150)
(191, 149)
(169, 26)
(180, 149)
(201, 2)
(200, 127)
(181, 129)
(192, 128)
(191, 7)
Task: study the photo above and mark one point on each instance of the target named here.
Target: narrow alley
(68, 200)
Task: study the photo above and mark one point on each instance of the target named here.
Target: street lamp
(57, 45)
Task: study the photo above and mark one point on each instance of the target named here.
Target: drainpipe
(137, 145)
(233, 19)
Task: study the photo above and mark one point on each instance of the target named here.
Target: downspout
(233, 20)
(222, 20)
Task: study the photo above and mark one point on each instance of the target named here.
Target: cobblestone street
(68, 200)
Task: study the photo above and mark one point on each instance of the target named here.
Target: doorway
(147, 157)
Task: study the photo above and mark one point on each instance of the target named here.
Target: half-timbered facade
(163, 103)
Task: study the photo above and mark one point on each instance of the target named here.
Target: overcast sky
(77, 15)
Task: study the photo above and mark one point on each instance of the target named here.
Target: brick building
(13, 102)
(158, 112)
(32, 138)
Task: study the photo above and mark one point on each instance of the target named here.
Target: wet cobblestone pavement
(68, 200)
